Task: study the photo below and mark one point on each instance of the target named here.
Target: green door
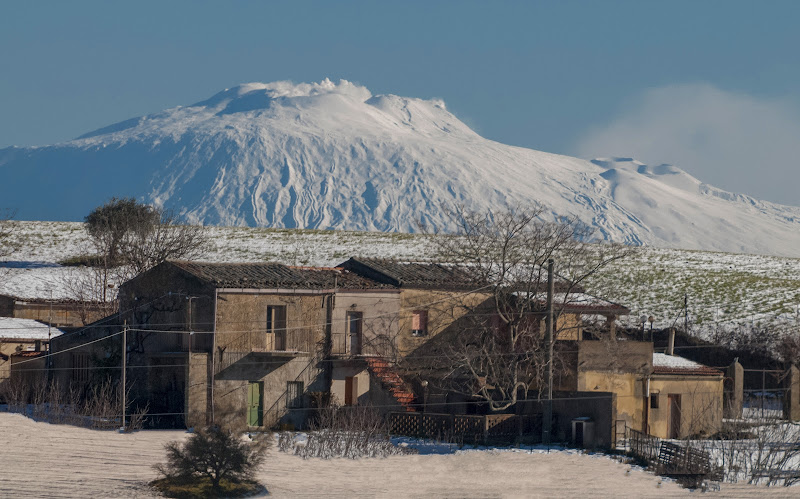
(255, 407)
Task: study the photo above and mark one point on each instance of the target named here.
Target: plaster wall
(380, 324)
(628, 389)
(362, 389)
(701, 404)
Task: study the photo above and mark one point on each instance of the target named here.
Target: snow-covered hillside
(725, 290)
(332, 155)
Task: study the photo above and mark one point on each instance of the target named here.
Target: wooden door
(350, 390)
(255, 405)
(354, 320)
(674, 415)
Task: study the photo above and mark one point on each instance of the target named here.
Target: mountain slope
(328, 155)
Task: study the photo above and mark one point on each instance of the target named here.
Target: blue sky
(712, 86)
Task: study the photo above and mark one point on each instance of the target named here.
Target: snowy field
(44, 460)
(724, 289)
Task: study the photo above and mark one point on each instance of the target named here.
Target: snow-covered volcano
(334, 156)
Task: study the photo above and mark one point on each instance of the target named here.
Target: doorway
(674, 415)
(354, 322)
(255, 403)
(350, 390)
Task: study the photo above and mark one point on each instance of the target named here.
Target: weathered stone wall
(445, 309)
(59, 314)
(231, 386)
(197, 389)
(242, 322)
(380, 327)
(159, 299)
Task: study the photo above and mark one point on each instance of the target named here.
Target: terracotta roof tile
(412, 274)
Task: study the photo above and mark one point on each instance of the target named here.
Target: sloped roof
(12, 328)
(672, 364)
(274, 275)
(412, 274)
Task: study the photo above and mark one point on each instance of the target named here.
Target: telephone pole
(124, 369)
(547, 416)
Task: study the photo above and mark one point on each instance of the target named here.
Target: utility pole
(686, 313)
(124, 366)
(50, 322)
(547, 417)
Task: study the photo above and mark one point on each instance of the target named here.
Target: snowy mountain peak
(334, 156)
(254, 96)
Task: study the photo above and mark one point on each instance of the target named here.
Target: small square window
(654, 401)
(419, 323)
(294, 394)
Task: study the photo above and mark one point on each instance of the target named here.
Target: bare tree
(94, 290)
(500, 350)
(138, 236)
(149, 245)
(111, 224)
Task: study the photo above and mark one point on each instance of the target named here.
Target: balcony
(287, 344)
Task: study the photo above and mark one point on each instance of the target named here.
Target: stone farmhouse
(62, 313)
(267, 343)
(24, 344)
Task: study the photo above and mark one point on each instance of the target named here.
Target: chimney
(671, 342)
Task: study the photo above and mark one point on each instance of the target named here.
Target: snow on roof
(12, 328)
(672, 364)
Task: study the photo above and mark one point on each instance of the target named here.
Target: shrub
(221, 457)
(351, 431)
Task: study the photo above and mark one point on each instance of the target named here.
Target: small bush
(352, 432)
(201, 487)
(218, 457)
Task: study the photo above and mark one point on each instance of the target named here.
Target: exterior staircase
(385, 372)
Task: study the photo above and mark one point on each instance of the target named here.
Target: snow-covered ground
(724, 289)
(45, 460)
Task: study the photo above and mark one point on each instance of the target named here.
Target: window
(354, 321)
(419, 323)
(294, 394)
(80, 367)
(654, 401)
(276, 326)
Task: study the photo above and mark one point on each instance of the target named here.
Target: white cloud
(733, 141)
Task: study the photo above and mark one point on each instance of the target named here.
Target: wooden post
(547, 418)
(124, 370)
(791, 402)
